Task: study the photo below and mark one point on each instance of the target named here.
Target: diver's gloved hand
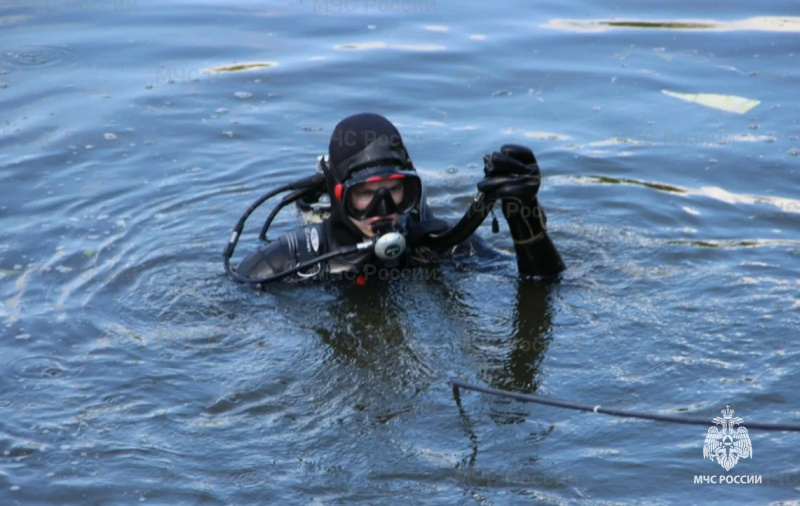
(512, 159)
(511, 173)
(513, 176)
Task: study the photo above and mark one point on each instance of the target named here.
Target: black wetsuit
(369, 140)
(316, 239)
(534, 257)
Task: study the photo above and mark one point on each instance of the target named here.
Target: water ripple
(41, 368)
(37, 57)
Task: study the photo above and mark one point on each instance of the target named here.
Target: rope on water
(606, 411)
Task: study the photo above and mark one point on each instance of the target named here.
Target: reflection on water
(786, 205)
(738, 244)
(383, 45)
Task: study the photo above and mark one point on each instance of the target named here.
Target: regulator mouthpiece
(381, 227)
(390, 246)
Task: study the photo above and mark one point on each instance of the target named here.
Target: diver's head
(371, 179)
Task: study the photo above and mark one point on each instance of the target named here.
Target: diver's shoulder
(289, 249)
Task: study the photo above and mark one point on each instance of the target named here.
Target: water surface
(134, 371)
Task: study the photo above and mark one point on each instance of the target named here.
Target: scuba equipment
(372, 188)
(314, 205)
(361, 169)
(511, 175)
(361, 199)
(388, 244)
(310, 197)
(301, 189)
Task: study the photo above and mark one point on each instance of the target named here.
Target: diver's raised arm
(516, 183)
(513, 177)
(435, 234)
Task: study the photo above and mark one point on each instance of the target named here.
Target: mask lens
(382, 195)
(363, 194)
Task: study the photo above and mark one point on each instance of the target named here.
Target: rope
(606, 411)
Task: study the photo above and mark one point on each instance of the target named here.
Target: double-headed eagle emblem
(728, 445)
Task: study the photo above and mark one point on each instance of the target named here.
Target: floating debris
(760, 24)
(243, 67)
(729, 103)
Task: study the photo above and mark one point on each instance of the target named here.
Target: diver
(374, 214)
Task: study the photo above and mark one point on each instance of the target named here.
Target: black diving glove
(512, 172)
(513, 176)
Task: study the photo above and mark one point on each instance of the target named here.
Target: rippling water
(133, 135)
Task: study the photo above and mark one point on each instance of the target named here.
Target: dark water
(134, 371)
